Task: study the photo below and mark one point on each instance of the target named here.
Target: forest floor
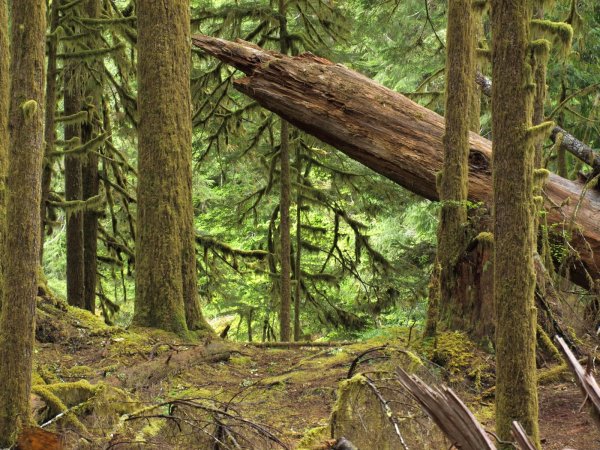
(109, 382)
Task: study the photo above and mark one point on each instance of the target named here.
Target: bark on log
(393, 136)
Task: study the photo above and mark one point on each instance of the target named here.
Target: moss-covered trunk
(50, 123)
(284, 203)
(514, 224)
(26, 127)
(4, 108)
(165, 257)
(90, 129)
(298, 259)
(460, 75)
(73, 101)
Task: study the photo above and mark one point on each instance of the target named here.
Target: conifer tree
(50, 120)
(514, 221)
(166, 293)
(460, 75)
(4, 136)
(73, 105)
(26, 125)
(284, 205)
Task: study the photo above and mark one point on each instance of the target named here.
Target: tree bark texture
(4, 136)
(284, 230)
(460, 81)
(514, 218)
(284, 202)
(298, 254)
(73, 101)
(50, 122)
(26, 128)
(394, 136)
(166, 294)
(89, 170)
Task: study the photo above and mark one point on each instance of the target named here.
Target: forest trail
(279, 389)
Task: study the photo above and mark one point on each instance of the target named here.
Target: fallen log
(394, 136)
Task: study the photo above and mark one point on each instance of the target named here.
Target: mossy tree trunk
(298, 259)
(460, 75)
(73, 102)
(50, 122)
(285, 200)
(26, 127)
(89, 130)
(166, 293)
(514, 224)
(4, 137)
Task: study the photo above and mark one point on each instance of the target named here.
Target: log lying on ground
(393, 136)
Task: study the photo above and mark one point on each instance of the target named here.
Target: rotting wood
(394, 136)
(521, 437)
(298, 344)
(585, 379)
(448, 412)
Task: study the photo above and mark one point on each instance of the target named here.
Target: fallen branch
(448, 412)
(568, 142)
(584, 377)
(298, 344)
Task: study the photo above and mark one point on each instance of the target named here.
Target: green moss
(29, 108)
(554, 375)
(455, 352)
(538, 133)
(36, 378)
(314, 437)
(485, 237)
(78, 372)
(241, 361)
(560, 32)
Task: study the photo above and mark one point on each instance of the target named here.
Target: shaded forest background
(366, 246)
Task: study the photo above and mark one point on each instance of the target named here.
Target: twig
(387, 411)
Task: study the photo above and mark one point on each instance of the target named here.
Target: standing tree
(284, 202)
(166, 293)
(73, 104)
(4, 137)
(460, 75)
(26, 126)
(514, 221)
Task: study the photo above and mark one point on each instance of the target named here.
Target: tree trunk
(73, 100)
(89, 130)
(298, 259)
(460, 81)
(284, 203)
(514, 219)
(393, 136)
(26, 126)
(4, 136)
(284, 230)
(166, 294)
(50, 125)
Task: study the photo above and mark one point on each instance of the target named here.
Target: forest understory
(98, 386)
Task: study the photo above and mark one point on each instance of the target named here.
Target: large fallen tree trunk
(394, 136)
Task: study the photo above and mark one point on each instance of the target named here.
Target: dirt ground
(286, 391)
